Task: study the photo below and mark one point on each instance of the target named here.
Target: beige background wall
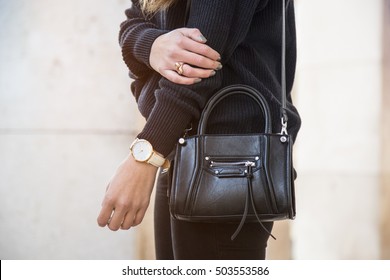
(385, 190)
(339, 92)
(67, 117)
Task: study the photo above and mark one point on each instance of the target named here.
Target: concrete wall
(385, 124)
(339, 93)
(67, 118)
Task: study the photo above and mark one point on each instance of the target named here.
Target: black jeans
(198, 241)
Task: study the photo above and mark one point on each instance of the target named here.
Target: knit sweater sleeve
(136, 36)
(225, 25)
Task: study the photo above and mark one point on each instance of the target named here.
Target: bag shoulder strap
(283, 111)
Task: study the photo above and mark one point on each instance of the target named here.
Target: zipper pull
(248, 171)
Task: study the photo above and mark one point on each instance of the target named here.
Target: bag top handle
(235, 90)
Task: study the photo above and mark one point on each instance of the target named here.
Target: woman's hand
(184, 46)
(128, 194)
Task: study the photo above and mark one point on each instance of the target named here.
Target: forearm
(136, 36)
(176, 106)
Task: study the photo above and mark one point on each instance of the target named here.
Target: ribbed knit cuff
(140, 45)
(164, 127)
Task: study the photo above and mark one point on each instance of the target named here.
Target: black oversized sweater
(247, 34)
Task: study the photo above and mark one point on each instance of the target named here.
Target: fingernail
(219, 67)
(197, 81)
(212, 73)
(219, 59)
(202, 38)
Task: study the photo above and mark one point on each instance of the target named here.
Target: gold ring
(179, 67)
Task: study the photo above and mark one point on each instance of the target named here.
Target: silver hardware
(187, 130)
(283, 139)
(284, 127)
(217, 172)
(207, 158)
(257, 158)
(249, 165)
(182, 141)
(235, 163)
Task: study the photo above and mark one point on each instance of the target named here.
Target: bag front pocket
(227, 177)
(231, 166)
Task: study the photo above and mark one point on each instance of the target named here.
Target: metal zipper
(233, 161)
(239, 163)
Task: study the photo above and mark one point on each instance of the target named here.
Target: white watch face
(142, 150)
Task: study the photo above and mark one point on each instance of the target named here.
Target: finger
(127, 222)
(194, 44)
(194, 72)
(194, 34)
(116, 220)
(105, 215)
(139, 217)
(195, 56)
(178, 79)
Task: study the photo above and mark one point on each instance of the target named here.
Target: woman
(175, 71)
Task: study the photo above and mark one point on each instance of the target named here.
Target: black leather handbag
(235, 178)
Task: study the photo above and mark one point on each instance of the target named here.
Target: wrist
(134, 164)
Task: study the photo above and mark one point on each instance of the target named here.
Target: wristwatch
(142, 151)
